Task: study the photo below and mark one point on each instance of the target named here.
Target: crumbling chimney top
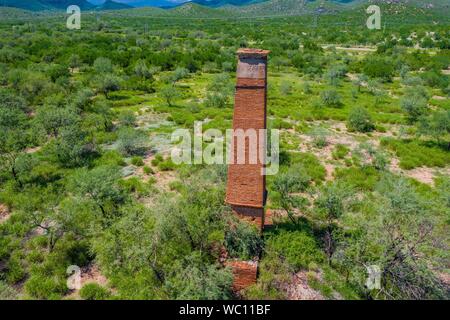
(252, 53)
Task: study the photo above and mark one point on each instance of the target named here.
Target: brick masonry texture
(246, 184)
(245, 273)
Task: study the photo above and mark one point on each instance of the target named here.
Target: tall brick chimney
(246, 187)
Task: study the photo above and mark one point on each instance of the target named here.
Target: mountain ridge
(240, 7)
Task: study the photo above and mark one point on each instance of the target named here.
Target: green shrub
(299, 248)
(176, 186)
(15, 269)
(295, 179)
(310, 163)
(319, 137)
(110, 157)
(158, 158)
(45, 287)
(134, 185)
(166, 165)
(7, 292)
(340, 151)
(331, 98)
(359, 119)
(148, 170)
(415, 153)
(360, 178)
(93, 291)
(378, 67)
(137, 161)
(243, 241)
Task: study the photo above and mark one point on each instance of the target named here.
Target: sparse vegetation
(86, 176)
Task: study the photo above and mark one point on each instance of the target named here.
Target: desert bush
(340, 151)
(359, 119)
(299, 248)
(331, 98)
(319, 137)
(94, 291)
(414, 153)
(131, 141)
(243, 241)
(137, 161)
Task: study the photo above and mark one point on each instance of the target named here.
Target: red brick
(244, 272)
(246, 183)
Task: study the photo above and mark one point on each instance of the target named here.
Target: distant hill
(32, 5)
(40, 5)
(286, 7)
(221, 3)
(112, 5)
(144, 3)
(195, 10)
(63, 4)
(249, 8)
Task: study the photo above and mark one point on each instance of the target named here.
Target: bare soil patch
(4, 213)
(298, 288)
(424, 175)
(89, 274)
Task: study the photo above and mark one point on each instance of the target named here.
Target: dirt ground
(4, 213)
(89, 274)
(299, 289)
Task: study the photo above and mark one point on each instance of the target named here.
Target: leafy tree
(219, 91)
(436, 125)
(331, 204)
(330, 98)
(336, 73)
(197, 281)
(179, 73)
(294, 180)
(127, 118)
(360, 81)
(74, 62)
(73, 148)
(53, 118)
(99, 185)
(103, 65)
(13, 139)
(108, 83)
(359, 119)
(82, 99)
(378, 67)
(142, 71)
(169, 94)
(415, 105)
(131, 141)
(391, 232)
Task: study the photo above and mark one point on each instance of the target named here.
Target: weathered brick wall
(246, 184)
(252, 215)
(244, 272)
